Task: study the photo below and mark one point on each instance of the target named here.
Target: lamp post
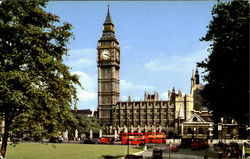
(220, 129)
(128, 134)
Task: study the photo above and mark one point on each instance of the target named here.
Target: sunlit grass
(66, 151)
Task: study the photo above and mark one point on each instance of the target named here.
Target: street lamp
(220, 129)
(128, 133)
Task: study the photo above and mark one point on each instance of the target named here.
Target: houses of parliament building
(151, 114)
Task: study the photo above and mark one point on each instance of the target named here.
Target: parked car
(199, 144)
(186, 142)
(88, 141)
(129, 156)
(194, 145)
(174, 148)
(157, 153)
(55, 140)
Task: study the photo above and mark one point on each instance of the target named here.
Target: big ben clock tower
(108, 63)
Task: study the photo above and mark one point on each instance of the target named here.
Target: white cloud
(87, 82)
(88, 94)
(82, 58)
(130, 86)
(176, 63)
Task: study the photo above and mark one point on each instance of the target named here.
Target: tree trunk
(5, 138)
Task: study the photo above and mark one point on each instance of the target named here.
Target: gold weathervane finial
(108, 4)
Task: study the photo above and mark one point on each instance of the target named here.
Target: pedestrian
(229, 152)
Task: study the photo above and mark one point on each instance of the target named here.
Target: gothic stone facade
(153, 113)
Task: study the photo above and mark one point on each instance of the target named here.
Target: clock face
(105, 54)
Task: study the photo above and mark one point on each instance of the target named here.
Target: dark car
(55, 140)
(157, 153)
(129, 156)
(199, 144)
(186, 142)
(88, 141)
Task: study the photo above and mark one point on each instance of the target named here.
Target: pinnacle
(108, 19)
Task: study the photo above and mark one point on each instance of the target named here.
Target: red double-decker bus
(132, 138)
(155, 137)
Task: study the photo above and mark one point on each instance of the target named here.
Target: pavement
(186, 153)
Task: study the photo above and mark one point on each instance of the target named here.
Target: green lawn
(66, 151)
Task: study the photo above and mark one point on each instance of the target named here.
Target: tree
(86, 123)
(35, 85)
(227, 66)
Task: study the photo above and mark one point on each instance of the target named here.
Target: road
(186, 153)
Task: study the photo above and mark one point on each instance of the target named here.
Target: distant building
(88, 112)
(197, 127)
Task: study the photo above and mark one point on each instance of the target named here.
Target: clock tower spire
(108, 64)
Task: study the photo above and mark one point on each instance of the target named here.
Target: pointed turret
(173, 90)
(108, 19)
(192, 75)
(129, 98)
(193, 79)
(108, 25)
(195, 82)
(179, 93)
(169, 93)
(75, 107)
(108, 29)
(197, 77)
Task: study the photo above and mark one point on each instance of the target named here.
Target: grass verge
(66, 151)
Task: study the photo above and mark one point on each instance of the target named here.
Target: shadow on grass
(112, 157)
(119, 156)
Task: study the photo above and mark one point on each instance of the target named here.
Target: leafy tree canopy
(35, 85)
(227, 66)
(86, 123)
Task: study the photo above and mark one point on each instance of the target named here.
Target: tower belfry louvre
(151, 114)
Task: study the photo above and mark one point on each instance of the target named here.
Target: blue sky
(159, 44)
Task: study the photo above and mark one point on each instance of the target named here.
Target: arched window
(200, 131)
(189, 131)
